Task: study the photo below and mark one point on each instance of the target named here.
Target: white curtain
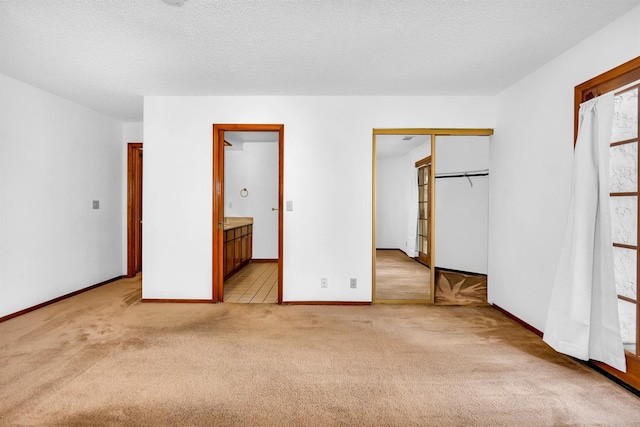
(582, 320)
(411, 247)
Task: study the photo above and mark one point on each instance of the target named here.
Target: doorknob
(220, 225)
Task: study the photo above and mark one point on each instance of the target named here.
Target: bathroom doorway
(251, 217)
(233, 235)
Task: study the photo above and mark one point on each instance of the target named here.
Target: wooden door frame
(217, 273)
(132, 147)
(425, 163)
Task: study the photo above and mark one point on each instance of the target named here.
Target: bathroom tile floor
(255, 283)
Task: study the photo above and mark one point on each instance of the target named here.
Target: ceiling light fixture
(177, 3)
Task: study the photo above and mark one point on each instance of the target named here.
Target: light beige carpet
(401, 277)
(102, 359)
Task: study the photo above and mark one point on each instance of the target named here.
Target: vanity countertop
(231, 222)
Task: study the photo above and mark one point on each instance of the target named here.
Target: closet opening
(407, 234)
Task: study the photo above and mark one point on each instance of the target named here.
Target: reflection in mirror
(461, 219)
(402, 218)
(424, 210)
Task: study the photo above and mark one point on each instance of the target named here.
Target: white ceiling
(108, 54)
(388, 146)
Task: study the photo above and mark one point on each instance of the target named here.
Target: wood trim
(606, 82)
(131, 193)
(434, 131)
(217, 217)
(622, 245)
(518, 320)
(280, 211)
(423, 162)
(432, 223)
(626, 141)
(631, 382)
(625, 379)
(218, 202)
(359, 303)
(627, 299)
(629, 378)
(263, 260)
(425, 257)
(627, 89)
(627, 194)
(58, 299)
(252, 127)
(374, 201)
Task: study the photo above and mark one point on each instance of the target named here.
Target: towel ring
(244, 192)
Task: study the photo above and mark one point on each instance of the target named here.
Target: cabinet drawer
(228, 235)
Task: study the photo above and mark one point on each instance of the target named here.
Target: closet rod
(481, 172)
(463, 175)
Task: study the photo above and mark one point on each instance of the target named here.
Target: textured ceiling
(107, 54)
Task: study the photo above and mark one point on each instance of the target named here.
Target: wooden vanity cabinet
(237, 248)
(229, 254)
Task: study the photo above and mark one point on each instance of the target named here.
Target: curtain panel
(582, 320)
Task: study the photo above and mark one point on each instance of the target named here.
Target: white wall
(531, 155)
(394, 201)
(327, 174)
(462, 210)
(55, 158)
(391, 201)
(131, 132)
(256, 169)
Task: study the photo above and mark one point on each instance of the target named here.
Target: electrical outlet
(353, 283)
(96, 204)
(324, 282)
(289, 205)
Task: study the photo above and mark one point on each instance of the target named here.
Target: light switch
(289, 205)
(96, 204)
